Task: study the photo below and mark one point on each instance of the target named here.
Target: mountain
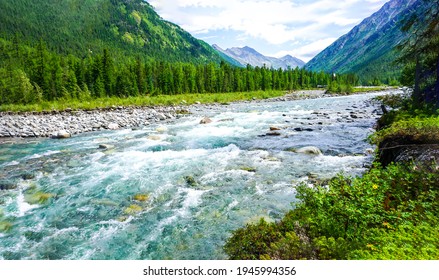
(369, 48)
(247, 55)
(125, 27)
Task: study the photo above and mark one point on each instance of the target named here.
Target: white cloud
(277, 22)
(308, 51)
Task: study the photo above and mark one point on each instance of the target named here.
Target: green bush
(421, 129)
(389, 213)
(253, 241)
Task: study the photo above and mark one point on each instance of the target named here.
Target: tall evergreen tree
(420, 53)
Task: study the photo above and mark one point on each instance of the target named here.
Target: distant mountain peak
(248, 49)
(368, 49)
(247, 55)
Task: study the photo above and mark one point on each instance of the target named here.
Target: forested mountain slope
(126, 28)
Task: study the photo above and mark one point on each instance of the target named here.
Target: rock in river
(7, 185)
(61, 134)
(205, 120)
(311, 150)
(113, 126)
(106, 146)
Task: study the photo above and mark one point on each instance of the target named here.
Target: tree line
(35, 74)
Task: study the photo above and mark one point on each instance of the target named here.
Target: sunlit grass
(370, 89)
(160, 100)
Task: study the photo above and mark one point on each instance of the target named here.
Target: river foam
(176, 190)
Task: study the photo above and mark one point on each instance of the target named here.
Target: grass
(407, 122)
(421, 129)
(370, 89)
(148, 100)
(160, 100)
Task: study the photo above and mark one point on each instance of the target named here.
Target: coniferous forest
(31, 74)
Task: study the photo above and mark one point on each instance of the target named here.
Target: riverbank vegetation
(390, 212)
(148, 100)
(387, 214)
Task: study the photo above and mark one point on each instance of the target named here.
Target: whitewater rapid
(176, 189)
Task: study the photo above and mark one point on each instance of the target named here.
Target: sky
(301, 28)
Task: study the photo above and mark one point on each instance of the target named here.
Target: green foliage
(88, 103)
(394, 101)
(407, 241)
(343, 84)
(420, 128)
(419, 53)
(253, 241)
(42, 76)
(128, 37)
(128, 28)
(389, 213)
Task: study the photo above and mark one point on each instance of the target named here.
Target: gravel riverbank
(64, 124)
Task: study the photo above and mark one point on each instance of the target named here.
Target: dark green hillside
(127, 28)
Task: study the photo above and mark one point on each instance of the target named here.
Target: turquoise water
(173, 190)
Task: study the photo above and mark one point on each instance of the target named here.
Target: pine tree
(40, 72)
(107, 72)
(421, 49)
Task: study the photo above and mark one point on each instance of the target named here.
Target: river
(174, 190)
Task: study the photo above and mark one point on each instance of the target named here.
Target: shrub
(253, 241)
(389, 213)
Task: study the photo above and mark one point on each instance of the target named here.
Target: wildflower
(375, 186)
(387, 225)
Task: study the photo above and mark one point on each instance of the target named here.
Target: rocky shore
(64, 124)
(56, 124)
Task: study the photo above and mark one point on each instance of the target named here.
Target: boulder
(154, 137)
(310, 150)
(161, 129)
(205, 120)
(190, 181)
(273, 133)
(106, 146)
(61, 134)
(161, 116)
(113, 126)
(6, 185)
(27, 176)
